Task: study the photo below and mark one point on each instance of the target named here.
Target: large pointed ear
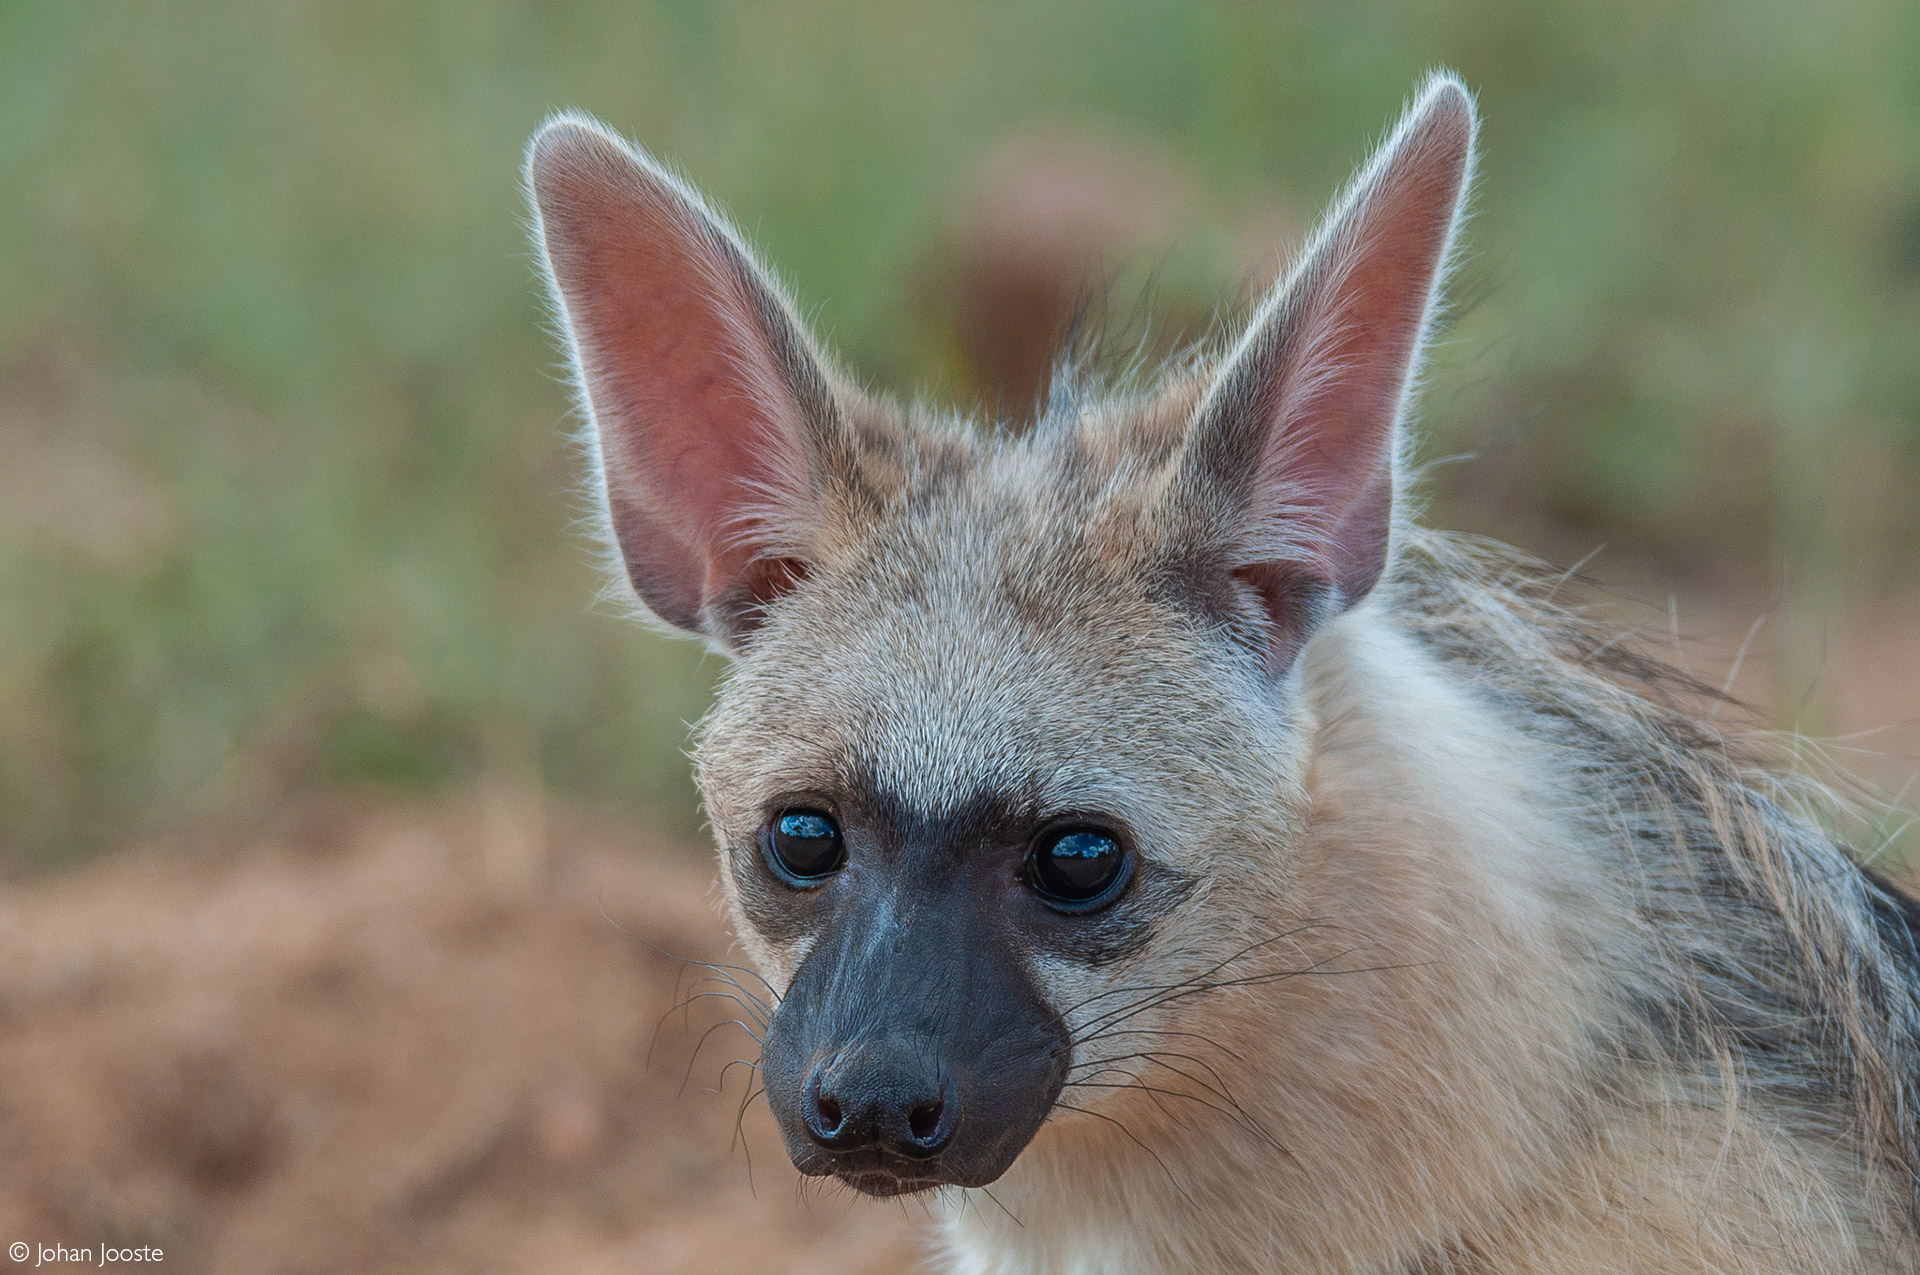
(712, 416)
(1289, 469)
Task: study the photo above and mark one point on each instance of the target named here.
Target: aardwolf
(1171, 858)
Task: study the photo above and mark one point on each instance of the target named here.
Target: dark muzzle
(911, 1050)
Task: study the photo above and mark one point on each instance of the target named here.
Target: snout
(912, 1065)
(898, 1114)
(883, 1099)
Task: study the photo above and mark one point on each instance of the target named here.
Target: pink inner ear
(1352, 326)
(700, 431)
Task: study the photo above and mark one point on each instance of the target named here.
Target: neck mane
(1596, 971)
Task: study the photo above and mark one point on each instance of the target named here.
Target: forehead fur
(997, 617)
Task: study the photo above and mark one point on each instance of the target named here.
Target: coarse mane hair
(1785, 966)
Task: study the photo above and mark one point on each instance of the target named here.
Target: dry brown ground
(362, 1046)
(415, 1038)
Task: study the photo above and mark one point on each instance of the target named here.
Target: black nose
(879, 1098)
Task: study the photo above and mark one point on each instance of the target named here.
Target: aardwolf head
(1011, 754)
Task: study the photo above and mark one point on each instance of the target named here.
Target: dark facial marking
(912, 1047)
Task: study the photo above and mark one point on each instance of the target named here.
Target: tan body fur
(1430, 1095)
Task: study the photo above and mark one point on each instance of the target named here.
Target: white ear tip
(1444, 103)
(571, 143)
(1445, 86)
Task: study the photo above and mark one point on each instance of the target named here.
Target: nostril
(929, 1125)
(924, 1120)
(822, 1115)
(828, 1111)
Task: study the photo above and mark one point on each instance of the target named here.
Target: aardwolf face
(1009, 765)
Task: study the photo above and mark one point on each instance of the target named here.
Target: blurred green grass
(298, 498)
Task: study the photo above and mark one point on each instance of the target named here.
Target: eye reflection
(804, 846)
(1078, 868)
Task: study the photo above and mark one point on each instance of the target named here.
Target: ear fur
(1290, 467)
(712, 419)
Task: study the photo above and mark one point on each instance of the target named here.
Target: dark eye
(1077, 869)
(804, 846)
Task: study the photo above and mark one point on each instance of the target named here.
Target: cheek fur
(774, 939)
